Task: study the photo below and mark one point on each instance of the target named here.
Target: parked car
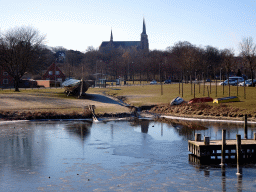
(247, 82)
(242, 83)
(232, 80)
(167, 81)
(153, 82)
(250, 82)
(208, 80)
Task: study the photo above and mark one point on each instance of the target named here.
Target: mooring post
(238, 153)
(207, 140)
(223, 146)
(223, 180)
(245, 126)
(197, 137)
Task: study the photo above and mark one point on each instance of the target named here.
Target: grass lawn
(151, 94)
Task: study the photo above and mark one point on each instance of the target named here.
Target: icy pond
(113, 156)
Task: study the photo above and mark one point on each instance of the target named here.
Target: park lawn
(151, 94)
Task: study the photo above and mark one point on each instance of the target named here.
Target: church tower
(111, 36)
(144, 38)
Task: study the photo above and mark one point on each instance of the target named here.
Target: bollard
(207, 140)
(238, 153)
(197, 137)
(223, 146)
(245, 126)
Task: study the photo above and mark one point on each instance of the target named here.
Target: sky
(77, 24)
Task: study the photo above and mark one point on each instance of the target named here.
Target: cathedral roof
(142, 44)
(117, 44)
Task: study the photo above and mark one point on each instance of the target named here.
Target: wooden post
(254, 134)
(194, 90)
(204, 88)
(244, 90)
(191, 85)
(182, 88)
(223, 147)
(216, 87)
(199, 86)
(238, 153)
(223, 173)
(210, 85)
(161, 87)
(237, 88)
(223, 87)
(197, 137)
(179, 87)
(207, 140)
(245, 126)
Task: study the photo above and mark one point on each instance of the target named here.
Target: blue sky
(82, 23)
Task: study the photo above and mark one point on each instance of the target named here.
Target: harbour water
(113, 156)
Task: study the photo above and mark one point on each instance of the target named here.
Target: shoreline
(52, 115)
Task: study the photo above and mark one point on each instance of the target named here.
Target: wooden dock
(213, 150)
(223, 149)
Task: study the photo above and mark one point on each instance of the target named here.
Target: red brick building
(5, 79)
(54, 73)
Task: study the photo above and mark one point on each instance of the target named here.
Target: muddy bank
(203, 110)
(34, 115)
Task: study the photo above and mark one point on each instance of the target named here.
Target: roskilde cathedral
(142, 44)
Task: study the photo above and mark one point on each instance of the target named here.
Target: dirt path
(11, 102)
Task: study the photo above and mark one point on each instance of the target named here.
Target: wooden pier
(223, 149)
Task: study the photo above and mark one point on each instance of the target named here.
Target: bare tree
(227, 56)
(248, 52)
(19, 50)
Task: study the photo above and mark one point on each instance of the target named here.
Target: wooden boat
(201, 100)
(75, 87)
(226, 99)
(177, 101)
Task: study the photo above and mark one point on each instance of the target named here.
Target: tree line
(23, 50)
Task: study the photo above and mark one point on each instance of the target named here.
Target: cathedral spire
(144, 38)
(111, 36)
(144, 27)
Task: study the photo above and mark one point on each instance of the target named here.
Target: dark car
(167, 81)
(208, 80)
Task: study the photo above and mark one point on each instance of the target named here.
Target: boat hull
(226, 99)
(201, 100)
